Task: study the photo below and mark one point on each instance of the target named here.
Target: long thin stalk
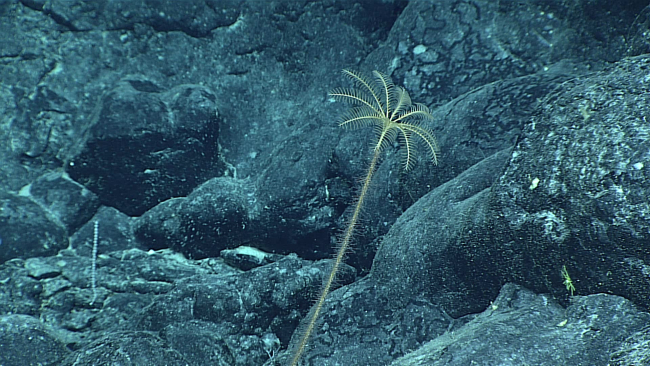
(329, 282)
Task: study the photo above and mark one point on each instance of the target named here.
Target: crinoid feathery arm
(388, 108)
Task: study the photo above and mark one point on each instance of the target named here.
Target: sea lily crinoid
(388, 108)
